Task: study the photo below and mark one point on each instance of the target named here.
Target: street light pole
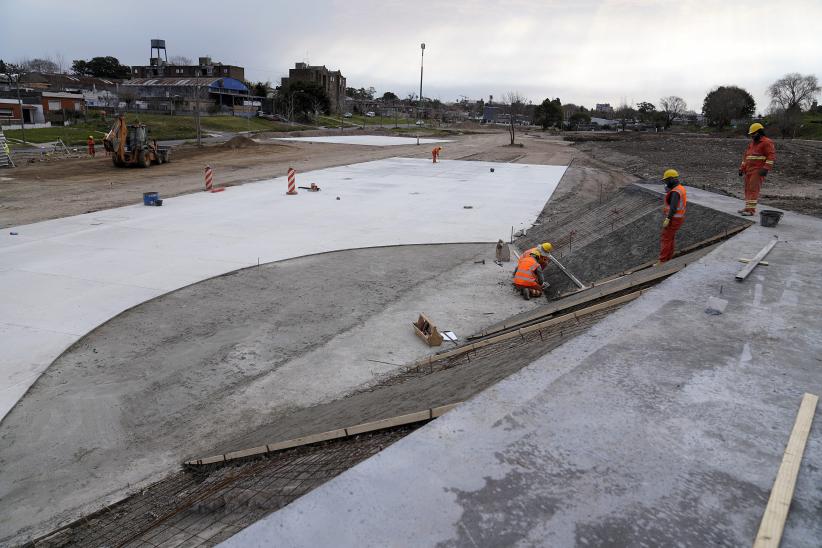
(422, 55)
(20, 103)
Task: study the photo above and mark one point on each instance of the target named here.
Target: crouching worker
(528, 278)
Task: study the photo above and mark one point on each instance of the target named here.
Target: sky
(584, 51)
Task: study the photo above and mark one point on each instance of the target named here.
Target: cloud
(583, 52)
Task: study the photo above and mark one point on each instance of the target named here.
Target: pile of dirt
(240, 141)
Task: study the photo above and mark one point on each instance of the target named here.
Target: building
(158, 67)
(604, 108)
(186, 94)
(10, 113)
(68, 82)
(332, 81)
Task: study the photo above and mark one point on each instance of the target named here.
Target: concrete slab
(66, 276)
(661, 426)
(369, 140)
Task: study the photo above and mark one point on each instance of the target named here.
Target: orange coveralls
(435, 153)
(758, 155)
(666, 240)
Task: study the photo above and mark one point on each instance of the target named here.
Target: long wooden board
(748, 268)
(773, 521)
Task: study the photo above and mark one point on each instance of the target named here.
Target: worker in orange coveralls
(435, 153)
(90, 143)
(757, 162)
(673, 211)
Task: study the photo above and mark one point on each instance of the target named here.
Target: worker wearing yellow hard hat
(528, 278)
(541, 252)
(90, 143)
(757, 162)
(673, 213)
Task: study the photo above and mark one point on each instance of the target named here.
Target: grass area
(811, 126)
(161, 127)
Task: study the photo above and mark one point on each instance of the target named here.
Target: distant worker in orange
(756, 163)
(435, 153)
(90, 143)
(528, 278)
(673, 210)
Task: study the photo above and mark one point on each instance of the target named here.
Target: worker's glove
(666, 222)
(741, 173)
(763, 172)
(545, 286)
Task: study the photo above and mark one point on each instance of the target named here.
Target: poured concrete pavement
(661, 426)
(60, 279)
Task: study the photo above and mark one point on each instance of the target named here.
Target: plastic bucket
(150, 197)
(769, 217)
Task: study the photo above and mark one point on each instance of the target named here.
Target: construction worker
(544, 249)
(673, 211)
(435, 153)
(756, 163)
(528, 277)
(90, 143)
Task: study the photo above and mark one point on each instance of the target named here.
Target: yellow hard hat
(90, 137)
(670, 173)
(536, 253)
(546, 247)
(756, 126)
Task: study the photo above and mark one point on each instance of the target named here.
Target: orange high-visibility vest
(758, 155)
(683, 201)
(525, 275)
(543, 260)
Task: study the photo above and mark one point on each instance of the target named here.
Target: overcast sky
(583, 51)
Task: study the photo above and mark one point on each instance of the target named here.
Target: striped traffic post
(292, 181)
(209, 178)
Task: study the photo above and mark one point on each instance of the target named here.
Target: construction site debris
(747, 269)
(761, 263)
(503, 252)
(773, 520)
(715, 306)
(427, 331)
(769, 217)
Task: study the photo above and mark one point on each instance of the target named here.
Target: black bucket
(769, 217)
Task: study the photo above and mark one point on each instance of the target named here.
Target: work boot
(526, 294)
(748, 213)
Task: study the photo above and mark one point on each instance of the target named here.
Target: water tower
(158, 46)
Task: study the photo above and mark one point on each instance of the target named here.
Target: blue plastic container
(150, 197)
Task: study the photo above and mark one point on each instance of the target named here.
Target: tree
(646, 111)
(790, 95)
(45, 66)
(794, 91)
(180, 61)
(100, 67)
(727, 103)
(549, 113)
(672, 107)
(389, 96)
(260, 89)
(302, 99)
(516, 102)
(3, 68)
(625, 113)
(578, 118)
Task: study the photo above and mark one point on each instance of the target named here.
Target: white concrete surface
(369, 140)
(60, 279)
(661, 426)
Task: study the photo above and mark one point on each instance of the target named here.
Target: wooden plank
(761, 263)
(442, 409)
(389, 423)
(773, 521)
(747, 269)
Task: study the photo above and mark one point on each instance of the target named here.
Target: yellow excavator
(130, 146)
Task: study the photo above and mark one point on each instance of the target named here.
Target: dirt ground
(60, 188)
(712, 163)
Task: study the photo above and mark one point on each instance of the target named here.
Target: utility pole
(197, 112)
(20, 102)
(422, 56)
